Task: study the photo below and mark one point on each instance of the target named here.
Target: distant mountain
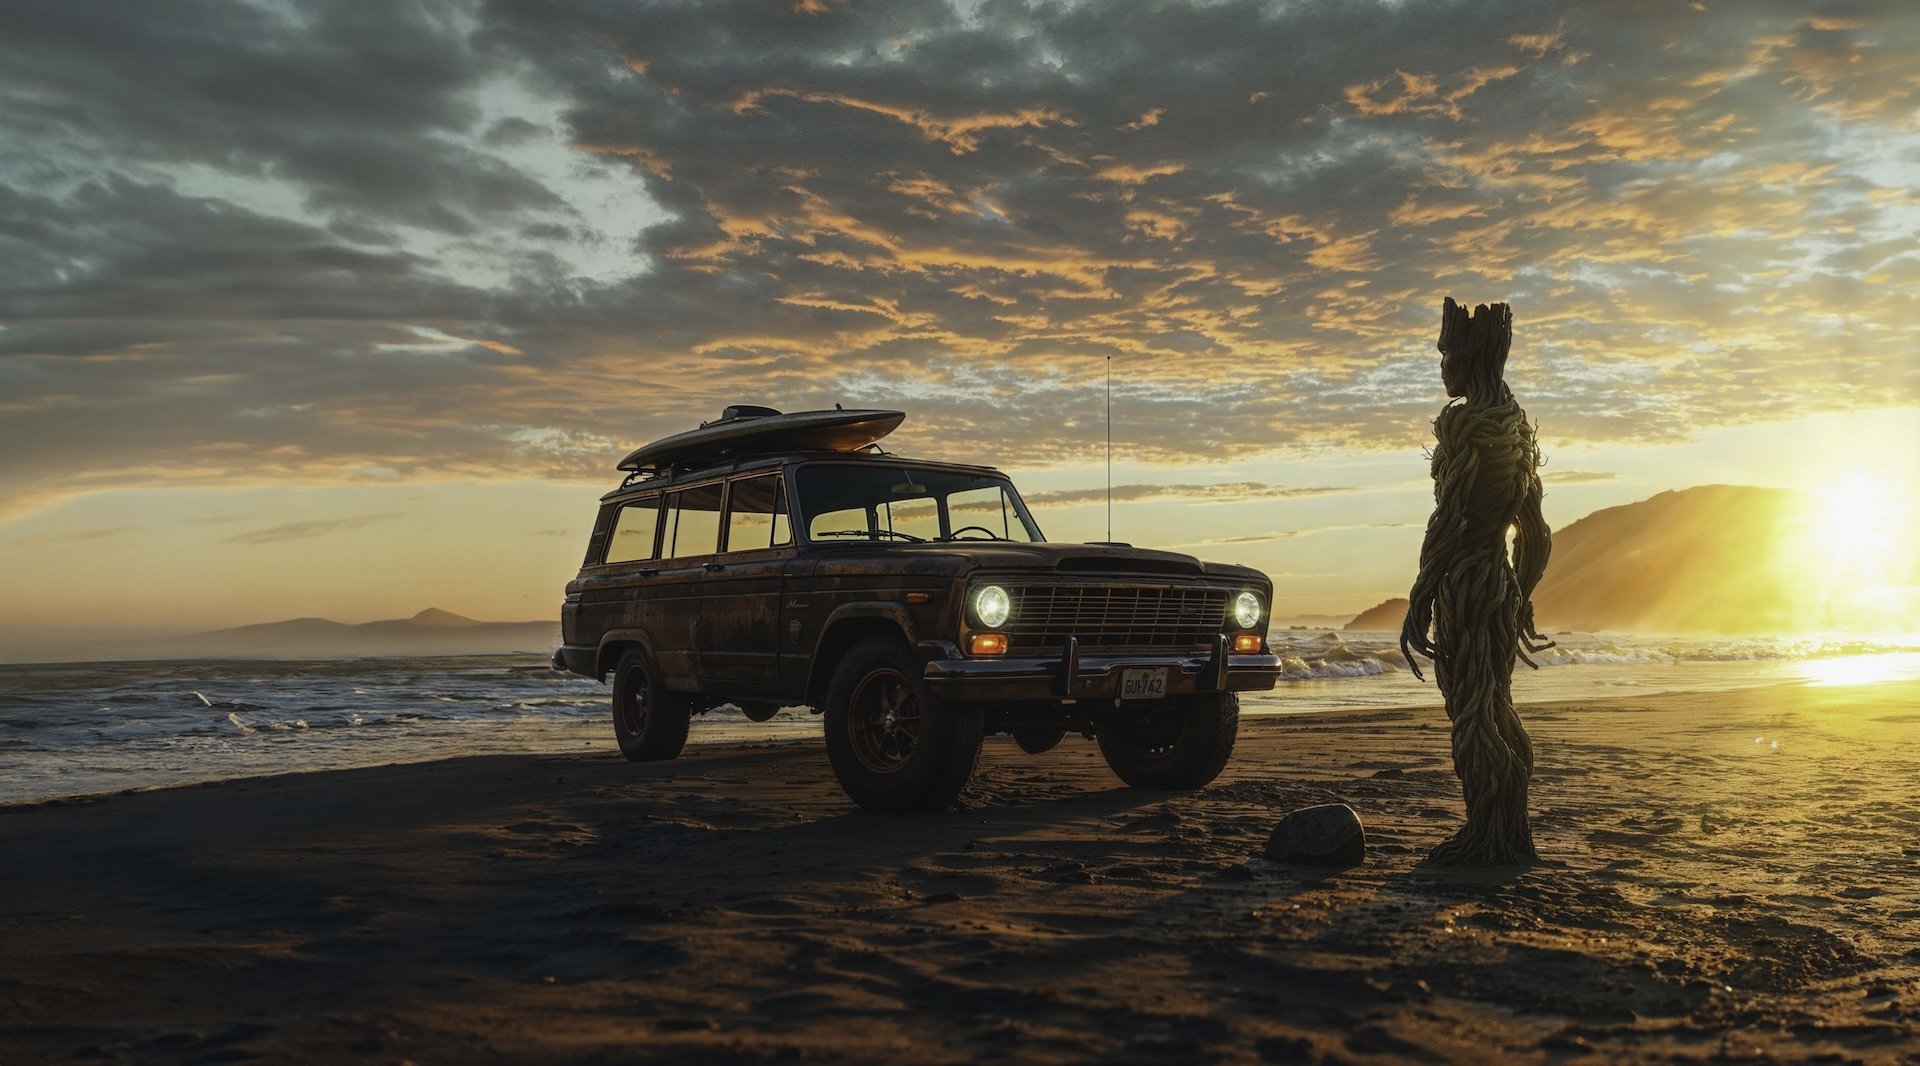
(1711, 559)
(1707, 559)
(1385, 617)
(1308, 621)
(431, 632)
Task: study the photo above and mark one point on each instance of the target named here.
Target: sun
(1859, 557)
(1865, 523)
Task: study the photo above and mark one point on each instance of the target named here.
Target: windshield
(905, 504)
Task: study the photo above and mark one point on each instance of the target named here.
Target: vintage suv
(770, 560)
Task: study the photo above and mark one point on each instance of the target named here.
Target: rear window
(633, 531)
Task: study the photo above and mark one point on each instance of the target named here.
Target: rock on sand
(1327, 835)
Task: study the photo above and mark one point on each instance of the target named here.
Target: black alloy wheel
(1180, 747)
(649, 722)
(895, 747)
(883, 720)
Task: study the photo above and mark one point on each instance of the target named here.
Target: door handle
(713, 566)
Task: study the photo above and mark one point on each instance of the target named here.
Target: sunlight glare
(1862, 669)
(1858, 553)
(1864, 521)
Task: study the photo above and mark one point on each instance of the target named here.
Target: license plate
(1143, 683)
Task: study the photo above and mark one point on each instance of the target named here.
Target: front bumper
(1073, 676)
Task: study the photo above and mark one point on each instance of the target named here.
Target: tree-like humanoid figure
(1472, 609)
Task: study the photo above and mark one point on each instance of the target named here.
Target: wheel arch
(614, 643)
(849, 625)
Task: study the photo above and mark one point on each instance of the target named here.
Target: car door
(623, 557)
(689, 544)
(741, 604)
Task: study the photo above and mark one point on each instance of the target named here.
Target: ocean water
(88, 728)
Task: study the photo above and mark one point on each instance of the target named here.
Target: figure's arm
(1453, 473)
(1532, 544)
(1414, 632)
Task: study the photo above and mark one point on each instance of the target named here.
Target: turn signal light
(1246, 644)
(989, 644)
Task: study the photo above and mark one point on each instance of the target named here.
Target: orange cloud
(958, 132)
(1129, 174)
(1421, 94)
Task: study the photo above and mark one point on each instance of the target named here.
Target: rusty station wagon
(768, 560)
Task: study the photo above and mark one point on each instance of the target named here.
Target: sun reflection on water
(1862, 669)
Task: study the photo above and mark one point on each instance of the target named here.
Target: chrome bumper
(1073, 676)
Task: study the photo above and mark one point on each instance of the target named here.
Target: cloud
(1225, 492)
(69, 538)
(1576, 477)
(1288, 534)
(309, 242)
(1246, 538)
(305, 530)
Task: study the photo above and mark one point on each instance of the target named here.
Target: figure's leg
(1492, 754)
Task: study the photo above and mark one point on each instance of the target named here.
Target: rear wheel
(895, 747)
(649, 722)
(1182, 746)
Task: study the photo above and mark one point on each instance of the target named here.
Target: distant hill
(1308, 621)
(1385, 617)
(1698, 560)
(431, 632)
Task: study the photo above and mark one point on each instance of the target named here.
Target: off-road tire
(880, 679)
(1175, 754)
(654, 728)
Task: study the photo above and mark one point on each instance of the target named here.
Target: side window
(692, 522)
(757, 515)
(633, 531)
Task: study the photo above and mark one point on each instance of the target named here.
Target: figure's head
(1473, 348)
(1453, 371)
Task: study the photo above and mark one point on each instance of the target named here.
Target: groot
(1472, 606)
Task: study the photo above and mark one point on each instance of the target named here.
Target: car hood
(1061, 558)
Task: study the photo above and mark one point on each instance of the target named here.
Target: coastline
(1711, 894)
(75, 730)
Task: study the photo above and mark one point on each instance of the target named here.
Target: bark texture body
(1471, 605)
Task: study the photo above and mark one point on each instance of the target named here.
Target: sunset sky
(349, 309)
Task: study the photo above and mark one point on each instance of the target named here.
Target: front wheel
(895, 747)
(1180, 747)
(649, 722)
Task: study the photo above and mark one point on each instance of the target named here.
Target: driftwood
(1472, 609)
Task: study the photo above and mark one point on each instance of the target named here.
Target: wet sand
(1712, 896)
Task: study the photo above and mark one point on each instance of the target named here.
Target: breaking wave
(71, 729)
(1308, 654)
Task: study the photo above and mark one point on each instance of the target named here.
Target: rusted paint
(750, 626)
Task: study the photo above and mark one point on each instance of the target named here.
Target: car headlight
(992, 606)
(1246, 610)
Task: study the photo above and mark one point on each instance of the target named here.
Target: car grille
(1114, 619)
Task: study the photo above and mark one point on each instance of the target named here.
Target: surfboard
(744, 429)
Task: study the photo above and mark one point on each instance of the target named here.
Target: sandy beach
(1735, 875)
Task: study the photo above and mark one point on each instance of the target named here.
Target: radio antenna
(1109, 447)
